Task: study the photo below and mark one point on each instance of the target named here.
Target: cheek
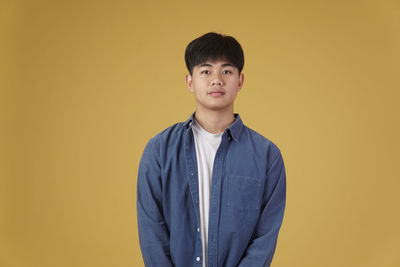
(202, 83)
(201, 86)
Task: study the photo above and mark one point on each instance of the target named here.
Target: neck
(214, 121)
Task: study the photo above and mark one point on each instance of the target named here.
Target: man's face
(215, 84)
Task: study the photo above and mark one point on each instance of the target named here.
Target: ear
(241, 80)
(189, 82)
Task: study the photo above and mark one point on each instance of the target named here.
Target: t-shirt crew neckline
(204, 133)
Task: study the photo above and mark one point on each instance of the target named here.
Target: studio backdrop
(85, 84)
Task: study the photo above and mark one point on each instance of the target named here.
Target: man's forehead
(211, 63)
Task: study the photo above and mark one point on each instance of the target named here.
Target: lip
(216, 93)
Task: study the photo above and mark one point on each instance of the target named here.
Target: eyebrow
(209, 65)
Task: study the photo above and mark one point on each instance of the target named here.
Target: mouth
(216, 93)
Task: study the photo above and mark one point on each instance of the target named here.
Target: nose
(216, 80)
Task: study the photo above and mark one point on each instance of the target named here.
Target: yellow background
(84, 85)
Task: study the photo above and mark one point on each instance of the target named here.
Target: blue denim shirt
(247, 199)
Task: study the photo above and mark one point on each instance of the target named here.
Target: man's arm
(262, 246)
(153, 231)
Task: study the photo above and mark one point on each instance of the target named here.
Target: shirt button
(198, 229)
(198, 259)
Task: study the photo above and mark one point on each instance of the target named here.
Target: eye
(205, 72)
(227, 72)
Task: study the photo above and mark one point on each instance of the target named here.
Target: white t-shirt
(206, 147)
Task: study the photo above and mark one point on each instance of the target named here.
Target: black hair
(214, 46)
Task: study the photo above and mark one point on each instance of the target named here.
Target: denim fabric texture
(247, 199)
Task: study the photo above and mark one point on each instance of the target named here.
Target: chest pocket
(244, 192)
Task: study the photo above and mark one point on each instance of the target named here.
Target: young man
(211, 192)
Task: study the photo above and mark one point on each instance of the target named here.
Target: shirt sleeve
(153, 230)
(261, 248)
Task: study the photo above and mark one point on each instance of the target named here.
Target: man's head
(211, 47)
(215, 63)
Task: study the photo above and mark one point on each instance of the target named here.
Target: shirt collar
(234, 129)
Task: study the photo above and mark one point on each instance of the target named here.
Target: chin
(217, 107)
